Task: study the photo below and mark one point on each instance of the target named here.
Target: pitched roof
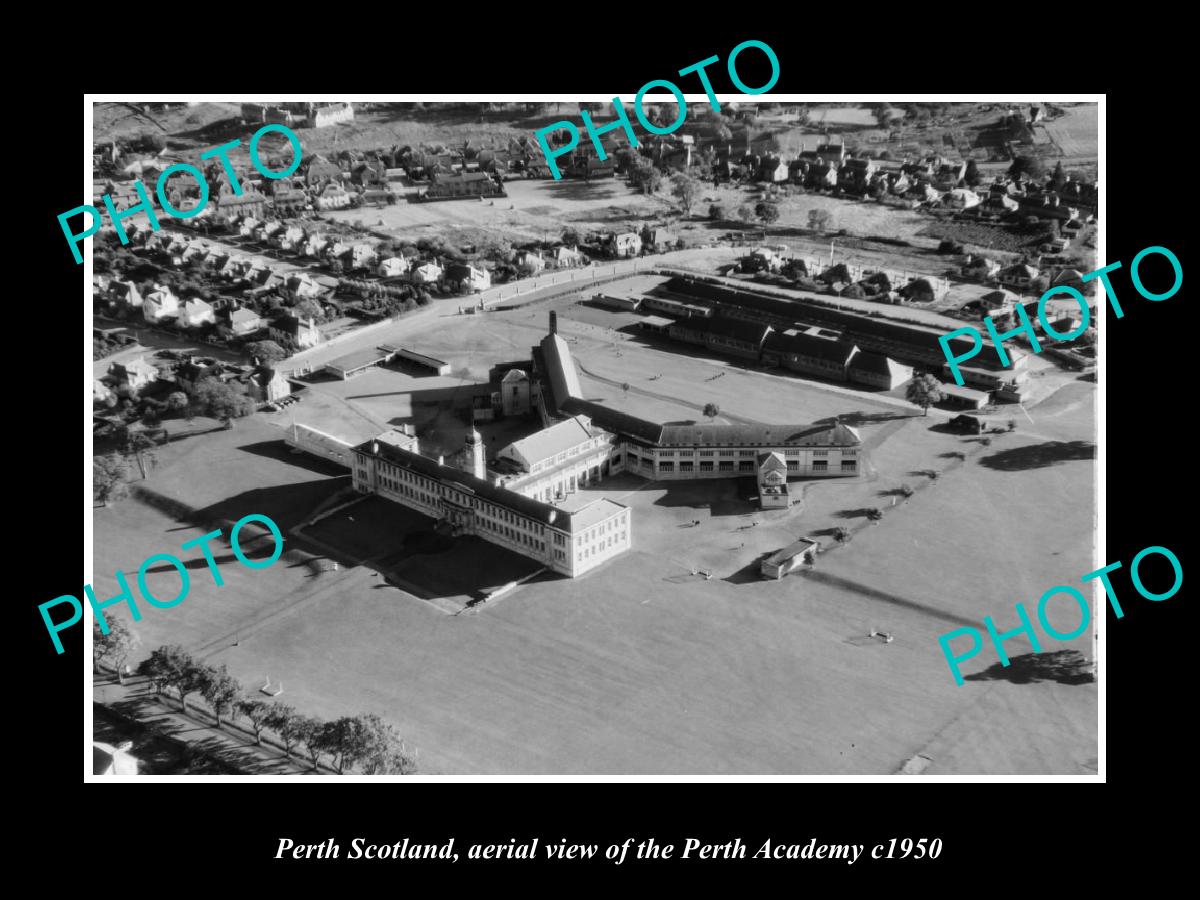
(809, 345)
(423, 465)
(734, 329)
(613, 420)
(549, 442)
(873, 364)
(708, 435)
(564, 380)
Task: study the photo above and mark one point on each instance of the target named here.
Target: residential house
(160, 304)
(468, 278)
(289, 199)
(454, 187)
(362, 255)
(318, 246)
(855, 175)
(627, 244)
(774, 170)
(530, 261)
(196, 312)
(333, 196)
(949, 175)
(330, 114)
(266, 385)
(290, 330)
(320, 171)
(125, 294)
(392, 267)
(564, 257)
(113, 761)
(979, 267)
(230, 206)
(244, 322)
(658, 238)
(133, 375)
(291, 239)
(426, 273)
(1017, 276)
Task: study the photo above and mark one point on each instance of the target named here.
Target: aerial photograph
(478, 451)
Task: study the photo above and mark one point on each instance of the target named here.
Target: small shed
(790, 558)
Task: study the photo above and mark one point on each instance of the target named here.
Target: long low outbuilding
(441, 367)
(359, 361)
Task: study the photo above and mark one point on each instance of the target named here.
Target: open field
(840, 115)
(1077, 133)
(534, 210)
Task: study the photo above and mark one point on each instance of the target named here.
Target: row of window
(603, 547)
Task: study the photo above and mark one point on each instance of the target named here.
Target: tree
(721, 133)
(283, 720)
(684, 188)
(1027, 166)
(746, 212)
(220, 689)
(819, 219)
(177, 401)
(109, 476)
(266, 352)
(767, 212)
(309, 308)
(114, 647)
(256, 712)
(137, 444)
(1012, 424)
(716, 212)
(171, 666)
(643, 174)
(1058, 178)
(312, 734)
(625, 387)
(219, 400)
(190, 678)
(875, 514)
(972, 176)
(711, 410)
(924, 390)
(841, 534)
(383, 752)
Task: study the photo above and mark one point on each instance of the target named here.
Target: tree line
(364, 741)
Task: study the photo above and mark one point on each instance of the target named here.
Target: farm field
(534, 210)
(1077, 133)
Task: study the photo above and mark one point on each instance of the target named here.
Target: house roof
(244, 315)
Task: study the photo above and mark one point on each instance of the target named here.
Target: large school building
(511, 500)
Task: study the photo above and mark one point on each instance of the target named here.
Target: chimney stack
(553, 322)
